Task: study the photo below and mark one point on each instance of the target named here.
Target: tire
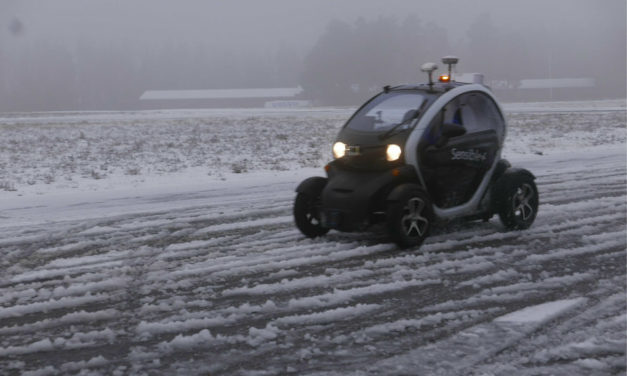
(517, 200)
(409, 218)
(307, 215)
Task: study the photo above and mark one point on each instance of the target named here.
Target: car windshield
(386, 111)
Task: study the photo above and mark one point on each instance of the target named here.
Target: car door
(453, 167)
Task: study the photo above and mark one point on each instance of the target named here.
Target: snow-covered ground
(100, 151)
(161, 242)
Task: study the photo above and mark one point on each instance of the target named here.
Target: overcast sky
(267, 24)
(101, 54)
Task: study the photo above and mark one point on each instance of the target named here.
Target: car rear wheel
(517, 200)
(307, 215)
(409, 218)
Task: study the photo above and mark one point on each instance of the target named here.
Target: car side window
(474, 111)
(450, 113)
(481, 114)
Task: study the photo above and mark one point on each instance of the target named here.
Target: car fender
(501, 167)
(312, 186)
(511, 171)
(399, 191)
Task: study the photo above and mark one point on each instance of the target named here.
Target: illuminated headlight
(339, 149)
(393, 152)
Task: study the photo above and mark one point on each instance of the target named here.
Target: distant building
(288, 104)
(223, 98)
(541, 89)
(556, 83)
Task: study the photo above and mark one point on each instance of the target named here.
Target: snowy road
(220, 282)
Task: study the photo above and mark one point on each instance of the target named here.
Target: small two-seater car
(414, 155)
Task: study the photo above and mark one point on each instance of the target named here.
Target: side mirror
(450, 130)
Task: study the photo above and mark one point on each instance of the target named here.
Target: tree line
(49, 76)
(348, 63)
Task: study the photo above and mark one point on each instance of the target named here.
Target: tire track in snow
(251, 292)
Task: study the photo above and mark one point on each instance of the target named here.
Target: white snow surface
(161, 242)
(541, 312)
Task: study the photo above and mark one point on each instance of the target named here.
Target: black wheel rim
(522, 203)
(414, 223)
(313, 212)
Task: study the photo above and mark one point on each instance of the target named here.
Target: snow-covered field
(161, 242)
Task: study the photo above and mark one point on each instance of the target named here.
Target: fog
(103, 54)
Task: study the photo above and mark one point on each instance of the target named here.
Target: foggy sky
(253, 24)
(66, 47)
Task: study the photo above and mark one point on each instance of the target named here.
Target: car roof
(437, 87)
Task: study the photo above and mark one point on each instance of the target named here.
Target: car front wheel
(409, 218)
(307, 215)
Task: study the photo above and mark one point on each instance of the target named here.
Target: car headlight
(339, 149)
(393, 152)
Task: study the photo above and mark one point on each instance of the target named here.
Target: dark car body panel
(351, 196)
